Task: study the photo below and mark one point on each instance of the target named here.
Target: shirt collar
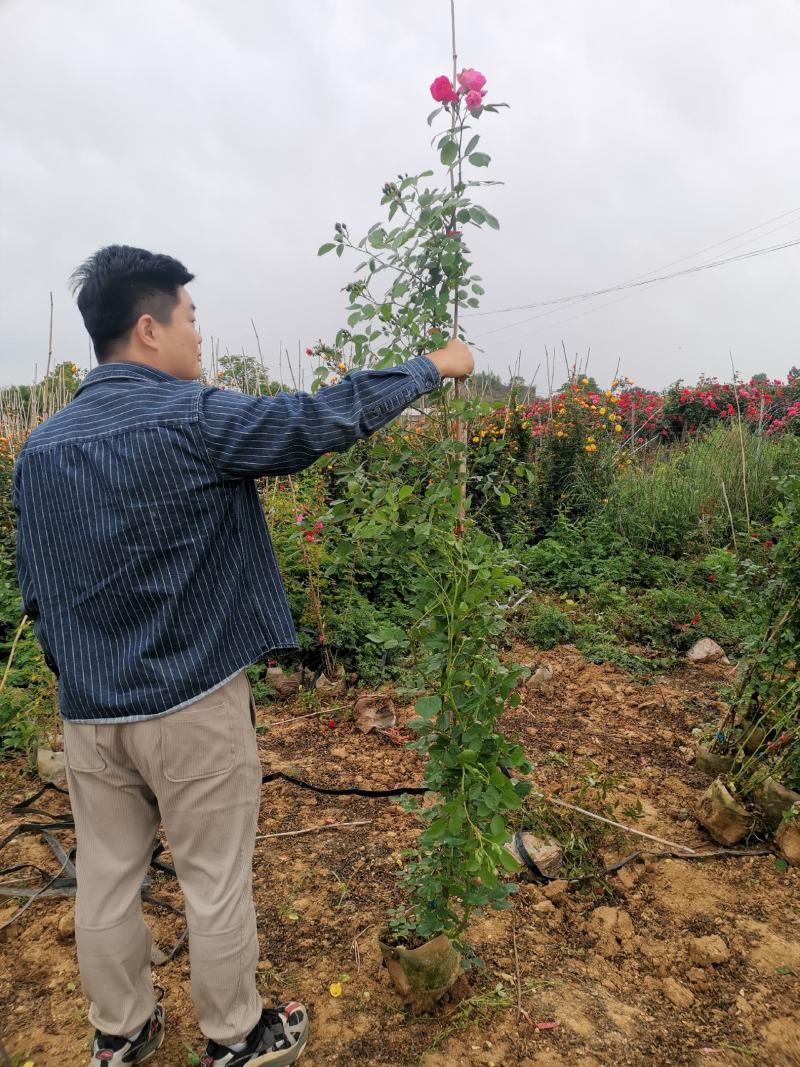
(129, 371)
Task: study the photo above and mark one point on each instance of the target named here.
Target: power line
(664, 266)
(579, 297)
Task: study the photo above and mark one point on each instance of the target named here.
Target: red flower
(331, 724)
(442, 90)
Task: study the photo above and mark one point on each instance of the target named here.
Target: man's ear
(145, 331)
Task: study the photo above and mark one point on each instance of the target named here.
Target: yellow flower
(335, 989)
(602, 411)
(475, 440)
(584, 381)
(607, 394)
(618, 428)
(342, 367)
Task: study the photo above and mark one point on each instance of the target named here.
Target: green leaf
(480, 159)
(492, 221)
(404, 492)
(326, 248)
(505, 499)
(449, 152)
(781, 865)
(428, 707)
(472, 145)
(497, 825)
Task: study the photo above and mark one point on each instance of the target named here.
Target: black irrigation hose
(272, 776)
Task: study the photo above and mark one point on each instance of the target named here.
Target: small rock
(705, 951)
(339, 753)
(545, 853)
(706, 651)
(677, 994)
(51, 766)
(544, 907)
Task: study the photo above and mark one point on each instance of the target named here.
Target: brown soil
(694, 963)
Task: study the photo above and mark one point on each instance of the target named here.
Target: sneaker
(109, 1051)
(278, 1038)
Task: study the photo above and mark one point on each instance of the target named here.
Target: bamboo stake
(460, 425)
(619, 825)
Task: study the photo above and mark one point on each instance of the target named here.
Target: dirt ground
(632, 984)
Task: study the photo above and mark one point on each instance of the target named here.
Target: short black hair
(118, 284)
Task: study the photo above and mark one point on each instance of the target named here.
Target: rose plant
(397, 501)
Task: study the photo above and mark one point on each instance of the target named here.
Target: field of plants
(547, 692)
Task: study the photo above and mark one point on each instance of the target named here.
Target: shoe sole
(280, 1059)
(153, 1050)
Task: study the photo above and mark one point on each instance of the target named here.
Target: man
(145, 562)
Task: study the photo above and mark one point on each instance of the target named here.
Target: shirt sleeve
(30, 605)
(253, 436)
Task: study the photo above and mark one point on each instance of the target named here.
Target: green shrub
(677, 503)
(545, 626)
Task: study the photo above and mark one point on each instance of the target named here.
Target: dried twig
(521, 1013)
(316, 829)
(356, 951)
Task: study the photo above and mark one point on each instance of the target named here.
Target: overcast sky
(233, 135)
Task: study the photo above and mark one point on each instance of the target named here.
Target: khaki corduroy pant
(198, 771)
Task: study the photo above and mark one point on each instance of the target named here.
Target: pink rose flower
(470, 80)
(474, 99)
(300, 519)
(442, 90)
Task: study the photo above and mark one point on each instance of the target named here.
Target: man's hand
(454, 360)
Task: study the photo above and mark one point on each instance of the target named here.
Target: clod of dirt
(51, 766)
(614, 929)
(782, 1042)
(66, 926)
(374, 712)
(724, 818)
(541, 681)
(705, 951)
(556, 891)
(706, 651)
(677, 994)
(787, 838)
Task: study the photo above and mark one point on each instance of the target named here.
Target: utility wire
(578, 297)
(664, 266)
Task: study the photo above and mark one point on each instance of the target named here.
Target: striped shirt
(143, 555)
